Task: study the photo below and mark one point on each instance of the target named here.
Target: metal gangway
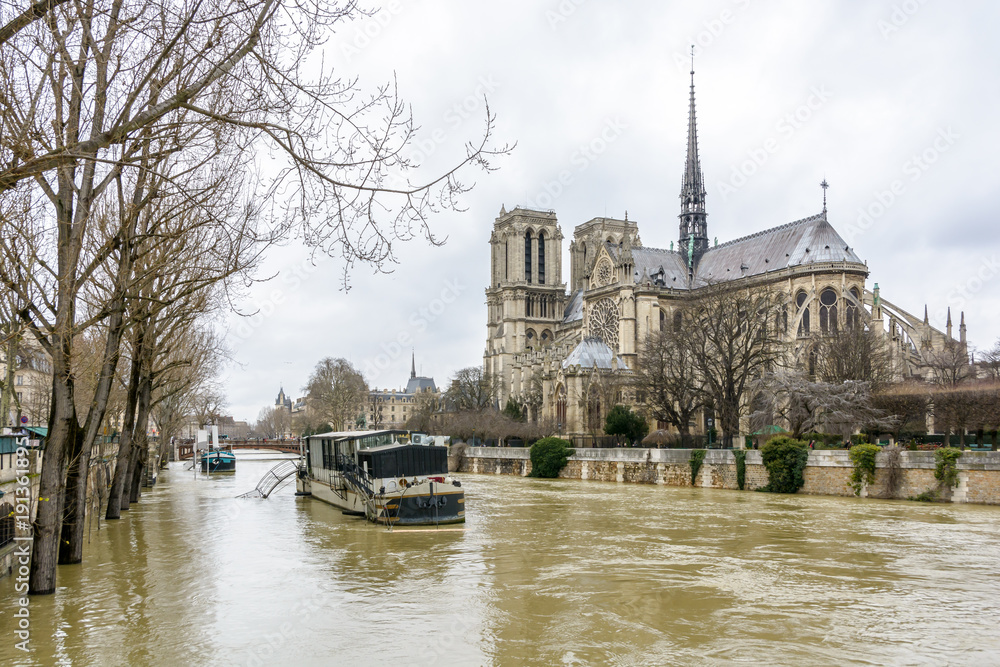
(272, 479)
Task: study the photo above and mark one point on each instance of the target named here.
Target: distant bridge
(290, 446)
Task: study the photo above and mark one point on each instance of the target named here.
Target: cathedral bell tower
(694, 219)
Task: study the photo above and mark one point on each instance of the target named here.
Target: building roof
(664, 267)
(419, 384)
(574, 309)
(811, 240)
(593, 352)
(808, 241)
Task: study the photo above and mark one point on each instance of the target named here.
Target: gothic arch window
(828, 311)
(604, 322)
(800, 300)
(529, 336)
(851, 313)
(561, 406)
(663, 320)
(529, 306)
(678, 320)
(527, 256)
(543, 303)
(546, 337)
(506, 262)
(541, 259)
(812, 362)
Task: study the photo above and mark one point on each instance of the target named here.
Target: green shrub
(946, 471)
(549, 456)
(784, 459)
(863, 457)
(697, 456)
(621, 421)
(741, 467)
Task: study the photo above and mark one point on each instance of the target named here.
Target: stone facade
(827, 473)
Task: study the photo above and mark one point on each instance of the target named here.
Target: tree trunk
(117, 491)
(140, 444)
(63, 433)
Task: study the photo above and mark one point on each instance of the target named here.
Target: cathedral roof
(808, 241)
(593, 352)
(663, 267)
(574, 310)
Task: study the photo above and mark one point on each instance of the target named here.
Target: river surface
(554, 572)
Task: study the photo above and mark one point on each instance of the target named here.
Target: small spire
(824, 185)
(949, 322)
(926, 319)
(413, 366)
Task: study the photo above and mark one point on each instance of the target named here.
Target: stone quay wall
(827, 473)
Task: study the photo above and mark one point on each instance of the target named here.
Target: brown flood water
(545, 573)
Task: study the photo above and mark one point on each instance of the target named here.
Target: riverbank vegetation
(785, 460)
(549, 456)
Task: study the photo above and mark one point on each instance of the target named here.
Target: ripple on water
(545, 572)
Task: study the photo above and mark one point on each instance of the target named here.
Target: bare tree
(949, 365)
(87, 90)
(426, 405)
(273, 422)
(337, 392)
(734, 343)
(473, 388)
(666, 378)
(806, 406)
(854, 354)
(990, 362)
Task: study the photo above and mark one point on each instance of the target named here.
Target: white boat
(383, 477)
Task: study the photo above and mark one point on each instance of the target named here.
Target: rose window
(604, 322)
(604, 274)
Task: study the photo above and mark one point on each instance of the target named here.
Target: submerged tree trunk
(74, 514)
(140, 443)
(118, 485)
(64, 431)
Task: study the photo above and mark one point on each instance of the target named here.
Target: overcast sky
(893, 102)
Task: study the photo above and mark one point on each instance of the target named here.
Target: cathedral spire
(694, 224)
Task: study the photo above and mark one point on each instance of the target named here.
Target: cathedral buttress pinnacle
(693, 217)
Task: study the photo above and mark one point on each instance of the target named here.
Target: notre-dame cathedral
(554, 341)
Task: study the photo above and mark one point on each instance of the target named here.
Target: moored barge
(383, 477)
